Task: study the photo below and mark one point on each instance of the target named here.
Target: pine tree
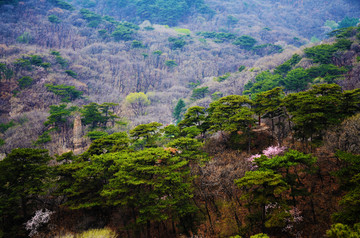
(24, 175)
(179, 110)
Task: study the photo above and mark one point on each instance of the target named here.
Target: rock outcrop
(79, 142)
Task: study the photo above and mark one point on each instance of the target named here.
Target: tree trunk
(148, 229)
(208, 214)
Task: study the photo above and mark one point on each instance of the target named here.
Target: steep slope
(248, 156)
(110, 58)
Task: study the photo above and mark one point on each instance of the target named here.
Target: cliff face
(80, 144)
(350, 59)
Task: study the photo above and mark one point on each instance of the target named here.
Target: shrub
(94, 24)
(130, 25)
(157, 52)
(97, 115)
(137, 44)
(216, 95)
(90, 16)
(327, 71)
(71, 73)
(25, 82)
(314, 39)
(343, 32)
(260, 235)
(63, 62)
(343, 44)
(169, 12)
(245, 42)
(321, 53)
(138, 102)
(340, 230)
(58, 117)
(207, 34)
(294, 59)
(25, 38)
(176, 43)
(46, 65)
(122, 33)
(67, 93)
(263, 82)
(3, 2)
(199, 93)
(241, 68)
(183, 31)
(110, 19)
(218, 36)
(348, 22)
(54, 52)
(36, 60)
(149, 28)
(94, 135)
(222, 78)
(202, 40)
(63, 5)
(284, 68)
(231, 21)
(194, 85)
(43, 138)
(54, 19)
(5, 126)
(296, 80)
(267, 49)
(88, 4)
(5, 72)
(332, 24)
(24, 63)
(171, 63)
(103, 33)
(15, 92)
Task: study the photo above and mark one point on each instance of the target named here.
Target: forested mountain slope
(99, 48)
(179, 118)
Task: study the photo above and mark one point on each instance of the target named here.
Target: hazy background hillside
(164, 49)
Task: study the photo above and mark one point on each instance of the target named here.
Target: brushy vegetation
(67, 93)
(150, 173)
(262, 123)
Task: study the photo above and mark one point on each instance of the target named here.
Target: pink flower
(273, 151)
(268, 152)
(253, 157)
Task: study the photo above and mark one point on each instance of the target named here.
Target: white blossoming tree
(41, 217)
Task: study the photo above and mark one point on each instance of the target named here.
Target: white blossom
(40, 217)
